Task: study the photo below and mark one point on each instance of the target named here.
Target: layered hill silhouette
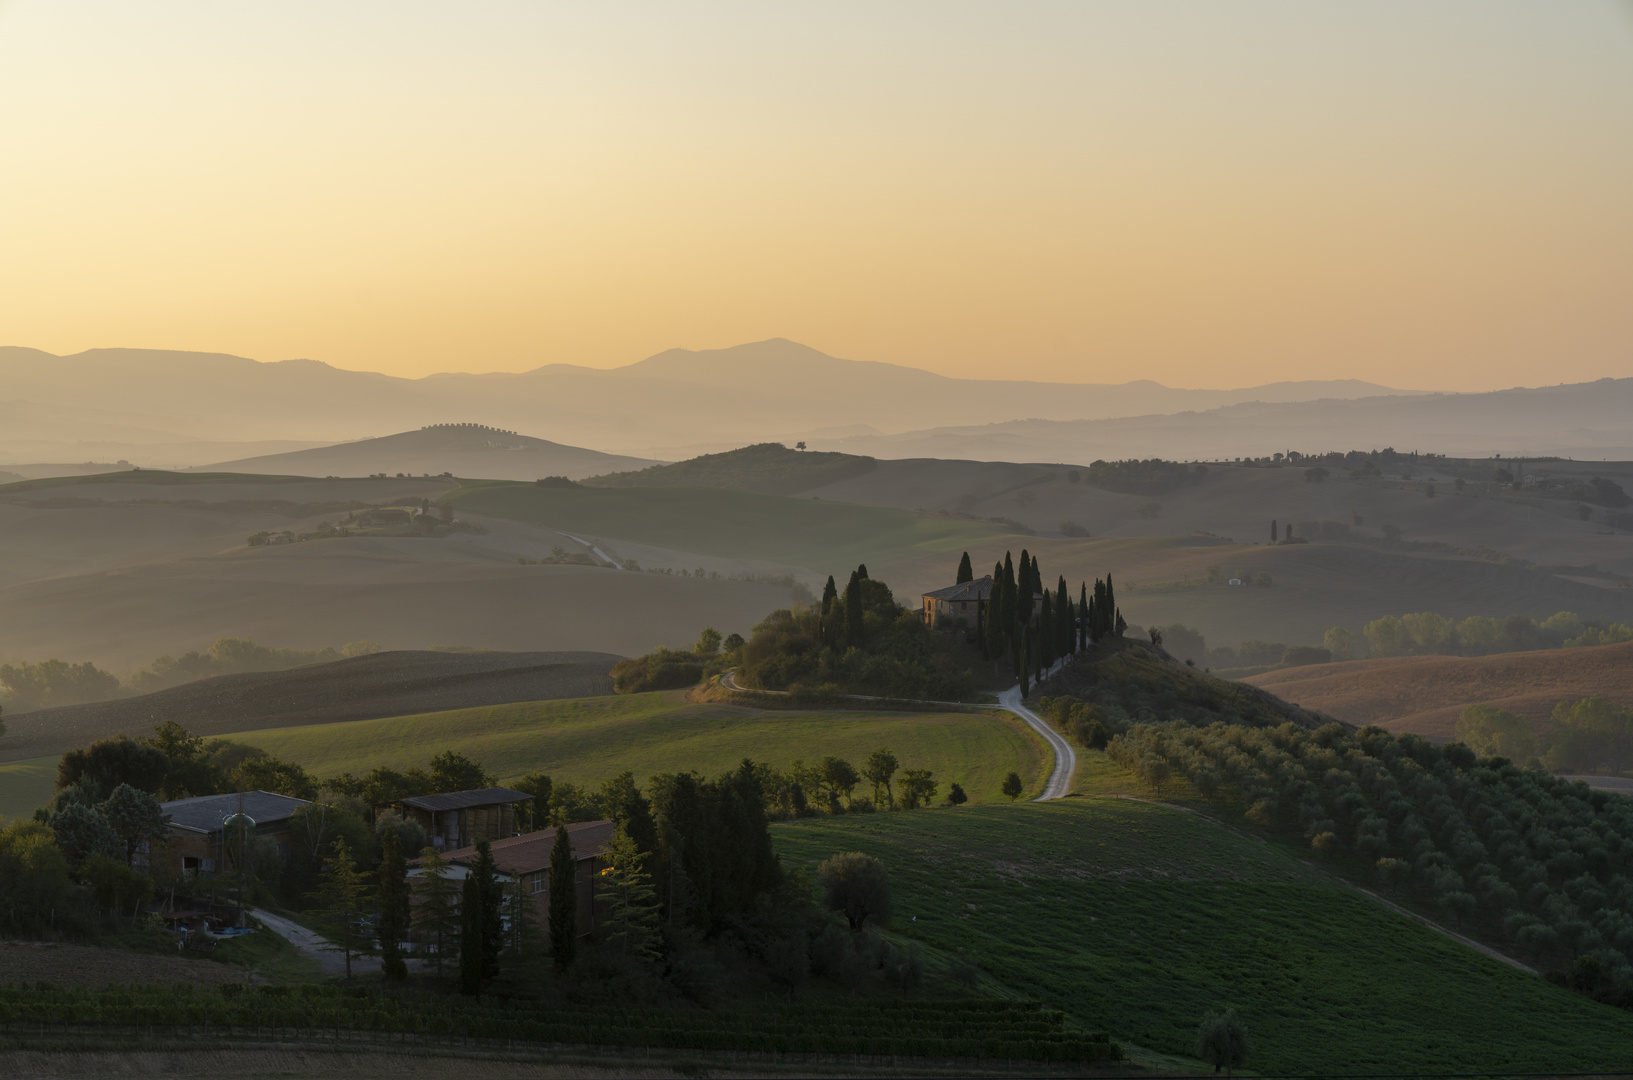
(361, 688)
(460, 449)
(1425, 694)
(112, 403)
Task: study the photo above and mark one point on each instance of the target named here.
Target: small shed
(456, 819)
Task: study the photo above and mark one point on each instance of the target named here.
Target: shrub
(856, 886)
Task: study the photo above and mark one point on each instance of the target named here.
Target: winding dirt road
(1060, 780)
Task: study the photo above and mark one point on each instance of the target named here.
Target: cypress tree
(829, 595)
(862, 571)
(482, 933)
(1111, 602)
(1025, 591)
(1063, 618)
(1046, 632)
(1273, 532)
(563, 900)
(1083, 616)
(965, 571)
(470, 937)
(853, 608)
(394, 907)
(995, 614)
(1026, 663)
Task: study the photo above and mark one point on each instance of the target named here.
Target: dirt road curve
(1060, 781)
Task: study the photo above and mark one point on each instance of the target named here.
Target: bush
(856, 886)
(662, 669)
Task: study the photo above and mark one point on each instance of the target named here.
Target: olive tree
(856, 886)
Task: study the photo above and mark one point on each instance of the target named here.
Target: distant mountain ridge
(109, 403)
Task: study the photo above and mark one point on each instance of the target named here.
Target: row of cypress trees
(1006, 629)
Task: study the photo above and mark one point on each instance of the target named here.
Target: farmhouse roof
(464, 800)
(530, 852)
(205, 813)
(979, 589)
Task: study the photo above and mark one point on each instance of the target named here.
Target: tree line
(1584, 736)
(1541, 860)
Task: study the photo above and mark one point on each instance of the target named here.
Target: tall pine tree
(392, 896)
(481, 931)
(436, 908)
(632, 923)
(965, 571)
(853, 609)
(563, 900)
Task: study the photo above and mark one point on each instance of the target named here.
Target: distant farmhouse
(957, 605)
(454, 820)
(964, 606)
(526, 859)
(197, 829)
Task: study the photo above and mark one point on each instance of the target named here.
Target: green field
(1137, 918)
(25, 785)
(585, 740)
(828, 537)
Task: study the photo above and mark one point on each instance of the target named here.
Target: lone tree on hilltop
(1221, 1040)
(1012, 786)
(856, 886)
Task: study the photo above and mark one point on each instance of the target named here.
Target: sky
(1426, 195)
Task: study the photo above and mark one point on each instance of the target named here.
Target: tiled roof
(205, 813)
(464, 800)
(530, 852)
(979, 589)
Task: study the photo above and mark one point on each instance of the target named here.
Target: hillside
(1137, 918)
(119, 569)
(1425, 694)
(458, 449)
(768, 468)
(360, 688)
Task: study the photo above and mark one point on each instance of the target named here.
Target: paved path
(1060, 781)
(616, 565)
(312, 945)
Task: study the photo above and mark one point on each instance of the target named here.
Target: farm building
(956, 605)
(197, 828)
(454, 820)
(526, 858)
(964, 604)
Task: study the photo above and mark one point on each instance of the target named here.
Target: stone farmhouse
(964, 606)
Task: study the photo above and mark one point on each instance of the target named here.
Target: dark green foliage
(393, 898)
(856, 886)
(313, 831)
(1221, 1041)
(563, 901)
(956, 796)
(661, 669)
(107, 763)
(898, 657)
(965, 571)
(1512, 848)
(34, 884)
(453, 771)
(481, 929)
(542, 788)
(267, 773)
(135, 816)
(621, 801)
(344, 891)
(1013, 786)
(189, 771)
(55, 682)
(714, 849)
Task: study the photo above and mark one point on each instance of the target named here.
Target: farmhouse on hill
(526, 859)
(963, 605)
(957, 605)
(197, 826)
(455, 819)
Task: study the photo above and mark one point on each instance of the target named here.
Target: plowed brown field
(1425, 694)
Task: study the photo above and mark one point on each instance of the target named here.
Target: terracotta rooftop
(530, 852)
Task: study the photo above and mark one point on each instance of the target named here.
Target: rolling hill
(456, 449)
(360, 688)
(768, 468)
(1425, 694)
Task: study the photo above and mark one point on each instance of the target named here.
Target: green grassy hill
(1136, 918)
(770, 468)
(25, 785)
(586, 740)
(827, 537)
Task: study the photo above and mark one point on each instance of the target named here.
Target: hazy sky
(1427, 194)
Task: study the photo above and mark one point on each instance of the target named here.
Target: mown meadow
(1136, 918)
(586, 740)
